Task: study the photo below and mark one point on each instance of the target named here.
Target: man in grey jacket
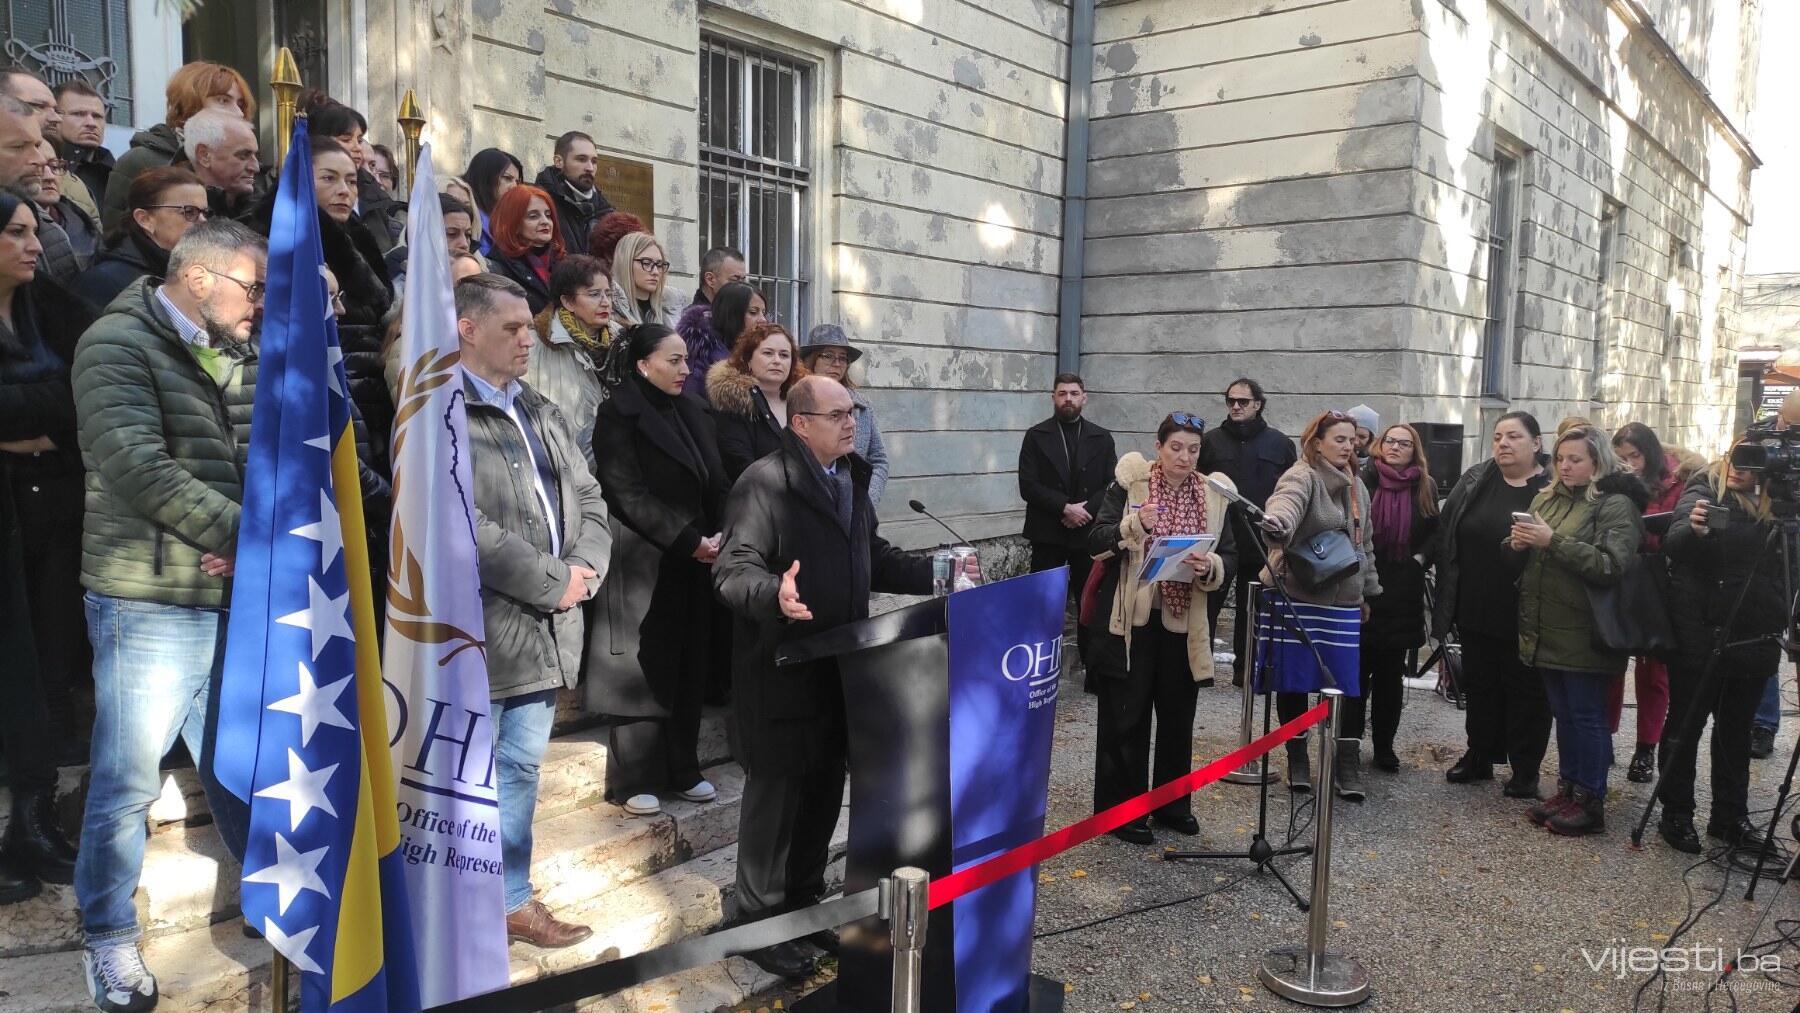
(543, 544)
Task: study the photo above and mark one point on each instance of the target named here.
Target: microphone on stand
(1251, 509)
(919, 508)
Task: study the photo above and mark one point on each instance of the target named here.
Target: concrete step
(214, 967)
(189, 880)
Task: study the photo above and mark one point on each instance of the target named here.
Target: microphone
(1255, 512)
(919, 508)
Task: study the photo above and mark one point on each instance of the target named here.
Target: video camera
(1774, 454)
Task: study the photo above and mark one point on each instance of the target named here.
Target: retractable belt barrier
(687, 954)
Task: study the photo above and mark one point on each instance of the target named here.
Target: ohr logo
(1034, 663)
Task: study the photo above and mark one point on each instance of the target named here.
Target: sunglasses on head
(1188, 420)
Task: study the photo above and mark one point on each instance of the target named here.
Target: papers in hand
(1164, 558)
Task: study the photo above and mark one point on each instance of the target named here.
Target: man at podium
(799, 556)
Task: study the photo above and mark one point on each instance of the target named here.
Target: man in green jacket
(163, 388)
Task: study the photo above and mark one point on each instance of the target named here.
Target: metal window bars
(756, 167)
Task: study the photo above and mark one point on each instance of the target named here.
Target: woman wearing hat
(828, 352)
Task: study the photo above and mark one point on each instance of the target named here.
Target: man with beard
(1065, 463)
(1253, 456)
(569, 180)
(22, 167)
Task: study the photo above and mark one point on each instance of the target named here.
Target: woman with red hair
(193, 87)
(527, 243)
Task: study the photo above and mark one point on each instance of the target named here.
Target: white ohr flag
(434, 657)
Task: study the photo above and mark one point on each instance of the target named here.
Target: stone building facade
(1444, 208)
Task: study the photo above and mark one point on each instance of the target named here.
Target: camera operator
(1719, 550)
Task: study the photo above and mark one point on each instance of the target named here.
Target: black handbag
(1632, 616)
(1324, 559)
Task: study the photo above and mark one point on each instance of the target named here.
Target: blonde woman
(640, 272)
(1712, 565)
(1580, 532)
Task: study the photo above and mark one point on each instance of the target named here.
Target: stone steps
(214, 967)
(582, 846)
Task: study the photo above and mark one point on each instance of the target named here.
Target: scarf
(539, 262)
(1391, 510)
(593, 344)
(1183, 513)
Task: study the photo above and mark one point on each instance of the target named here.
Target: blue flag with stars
(302, 725)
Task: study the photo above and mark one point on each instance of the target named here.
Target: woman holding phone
(1581, 532)
(1151, 643)
(1716, 548)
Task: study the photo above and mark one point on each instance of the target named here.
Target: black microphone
(919, 508)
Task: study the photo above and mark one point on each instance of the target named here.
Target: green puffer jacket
(1592, 542)
(164, 449)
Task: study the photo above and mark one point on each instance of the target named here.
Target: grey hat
(1366, 418)
(829, 336)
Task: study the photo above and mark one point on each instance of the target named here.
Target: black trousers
(1508, 715)
(1049, 556)
(1731, 703)
(50, 505)
(1383, 695)
(784, 838)
(1160, 685)
(654, 754)
(1250, 564)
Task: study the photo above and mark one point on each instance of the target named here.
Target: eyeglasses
(56, 166)
(253, 290)
(831, 356)
(653, 266)
(836, 418)
(337, 300)
(1239, 402)
(1189, 420)
(1397, 444)
(188, 212)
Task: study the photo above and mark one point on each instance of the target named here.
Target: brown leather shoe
(534, 924)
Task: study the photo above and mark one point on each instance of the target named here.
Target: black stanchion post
(1309, 974)
(907, 911)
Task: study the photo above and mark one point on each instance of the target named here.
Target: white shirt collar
(497, 397)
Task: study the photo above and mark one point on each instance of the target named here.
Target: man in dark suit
(1065, 463)
(800, 555)
(1253, 455)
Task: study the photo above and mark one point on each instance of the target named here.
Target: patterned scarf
(594, 345)
(1183, 513)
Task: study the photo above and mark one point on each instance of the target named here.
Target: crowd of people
(670, 489)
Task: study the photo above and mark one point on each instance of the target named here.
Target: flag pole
(278, 983)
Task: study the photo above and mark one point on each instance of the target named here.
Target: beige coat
(1131, 602)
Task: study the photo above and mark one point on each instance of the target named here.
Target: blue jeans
(521, 734)
(1578, 701)
(1768, 712)
(154, 669)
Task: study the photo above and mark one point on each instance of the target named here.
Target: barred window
(1503, 227)
(756, 168)
(66, 39)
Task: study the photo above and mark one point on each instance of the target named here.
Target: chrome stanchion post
(1253, 771)
(1310, 974)
(905, 901)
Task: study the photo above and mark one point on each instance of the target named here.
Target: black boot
(1385, 757)
(1584, 814)
(1643, 765)
(1470, 768)
(15, 883)
(1739, 833)
(1299, 767)
(1678, 830)
(1346, 773)
(35, 843)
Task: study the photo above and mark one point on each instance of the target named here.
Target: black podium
(895, 670)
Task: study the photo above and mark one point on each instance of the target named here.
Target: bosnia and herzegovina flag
(302, 732)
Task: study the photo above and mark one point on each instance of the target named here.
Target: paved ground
(1445, 893)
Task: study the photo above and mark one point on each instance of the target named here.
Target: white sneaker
(702, 791)
(643, 805)
(117, 979)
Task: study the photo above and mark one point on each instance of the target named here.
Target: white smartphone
(1520, 517)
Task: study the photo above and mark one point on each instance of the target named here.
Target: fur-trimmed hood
(1628, 485)
(1131, 469)
(730, 389)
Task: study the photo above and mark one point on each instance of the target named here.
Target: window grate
(1503, 224)
(756, 167)
(66, 39)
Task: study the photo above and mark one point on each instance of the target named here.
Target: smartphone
(1718, 517)
(1521, 517)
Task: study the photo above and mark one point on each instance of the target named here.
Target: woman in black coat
(1403, 513)
(649, 652)
(1709, 571)
(160, 207)
(748, 393)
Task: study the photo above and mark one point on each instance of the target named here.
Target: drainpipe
(1075, 185)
